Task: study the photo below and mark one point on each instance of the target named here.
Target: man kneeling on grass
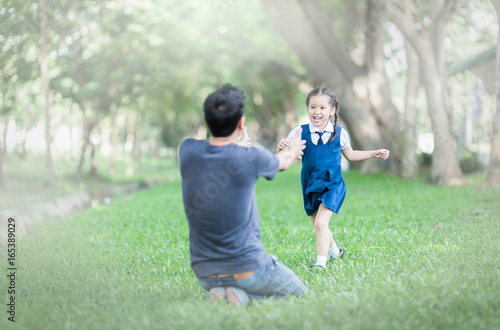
(218, 189)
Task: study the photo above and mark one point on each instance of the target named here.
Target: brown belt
(237, 276)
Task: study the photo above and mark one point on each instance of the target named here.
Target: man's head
(223, 110)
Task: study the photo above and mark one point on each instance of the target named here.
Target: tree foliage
(134, 74)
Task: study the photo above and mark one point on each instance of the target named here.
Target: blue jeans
(274, 280)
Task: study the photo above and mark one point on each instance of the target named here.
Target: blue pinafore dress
(321, 174)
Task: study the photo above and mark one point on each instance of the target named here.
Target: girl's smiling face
(320, 110)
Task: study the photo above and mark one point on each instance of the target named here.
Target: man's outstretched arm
(293, 152)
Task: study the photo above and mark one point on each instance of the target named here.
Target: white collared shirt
(344, 136)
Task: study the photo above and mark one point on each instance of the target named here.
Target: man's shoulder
(189, 143)
(189, 148)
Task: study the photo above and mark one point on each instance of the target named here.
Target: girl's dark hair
(223, 109)
(334, 103)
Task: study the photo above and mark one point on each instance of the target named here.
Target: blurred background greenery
(100, 89)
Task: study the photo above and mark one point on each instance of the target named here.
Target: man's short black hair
(223, 109)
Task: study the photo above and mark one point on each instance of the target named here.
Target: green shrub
(469, 163)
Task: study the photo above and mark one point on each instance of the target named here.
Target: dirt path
(58, 208)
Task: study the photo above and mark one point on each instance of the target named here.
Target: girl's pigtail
(334, 128)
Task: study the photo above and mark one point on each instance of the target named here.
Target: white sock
(321, 261)
(334, 251)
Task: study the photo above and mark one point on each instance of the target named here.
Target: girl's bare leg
(324, 237)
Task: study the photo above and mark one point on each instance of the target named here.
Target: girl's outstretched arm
(357, 155)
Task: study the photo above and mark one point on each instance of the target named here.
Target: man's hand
(296, 145)
(244, 140)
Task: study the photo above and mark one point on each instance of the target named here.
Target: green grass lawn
(418, 257)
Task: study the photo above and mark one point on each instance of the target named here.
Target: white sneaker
(341, 253)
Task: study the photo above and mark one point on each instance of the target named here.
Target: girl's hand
(244, 140)
(283, 144)
(382, 154)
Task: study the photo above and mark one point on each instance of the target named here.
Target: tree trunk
(377, 83)
(79, 170)
(93, 160)
(130, 140)
(5, 128)
(2, 181)
(445, 166)
(440, 16)
(136, 147)
(158, 143)
(87, 129)
(325, 60)
(49, 172)
(2, 160)
(22, 152)
(410, 166)
(493, 177)
(268, 135)
(86, 125)
(113, 141)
